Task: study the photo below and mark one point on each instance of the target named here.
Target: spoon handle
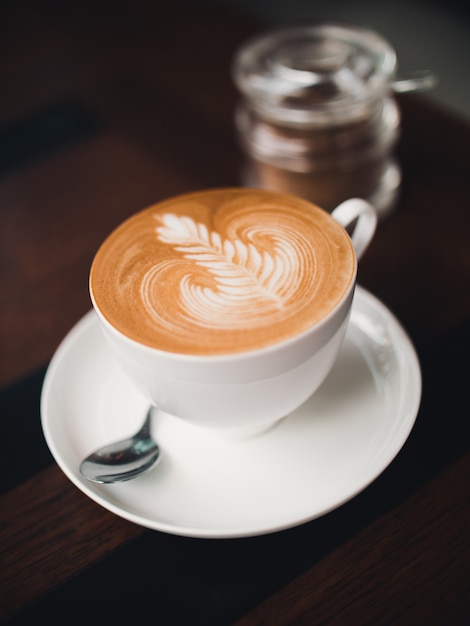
(416, 81)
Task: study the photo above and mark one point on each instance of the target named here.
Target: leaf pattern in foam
(241, 271)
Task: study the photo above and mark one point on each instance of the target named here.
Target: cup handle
(364, 229)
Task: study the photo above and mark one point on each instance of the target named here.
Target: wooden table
(108, 107)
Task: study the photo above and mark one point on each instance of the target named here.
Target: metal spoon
(299, 80)
(123, 460)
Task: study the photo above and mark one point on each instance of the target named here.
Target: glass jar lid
(323, 73)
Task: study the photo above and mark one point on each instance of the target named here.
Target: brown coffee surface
(222, 271)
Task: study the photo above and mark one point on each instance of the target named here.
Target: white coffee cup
(248, 390)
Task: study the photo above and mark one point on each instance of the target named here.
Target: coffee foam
(222, 271)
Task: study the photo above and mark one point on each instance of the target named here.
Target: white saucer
(206, 485)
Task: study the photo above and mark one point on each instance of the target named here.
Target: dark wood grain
(384, 574)
(49, 532)
(419, 262)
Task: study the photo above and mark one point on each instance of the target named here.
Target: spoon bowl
(123, 460)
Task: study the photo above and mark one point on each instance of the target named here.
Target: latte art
(222, 271)
(251, 286)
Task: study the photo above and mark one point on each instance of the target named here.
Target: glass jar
(318, 117)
